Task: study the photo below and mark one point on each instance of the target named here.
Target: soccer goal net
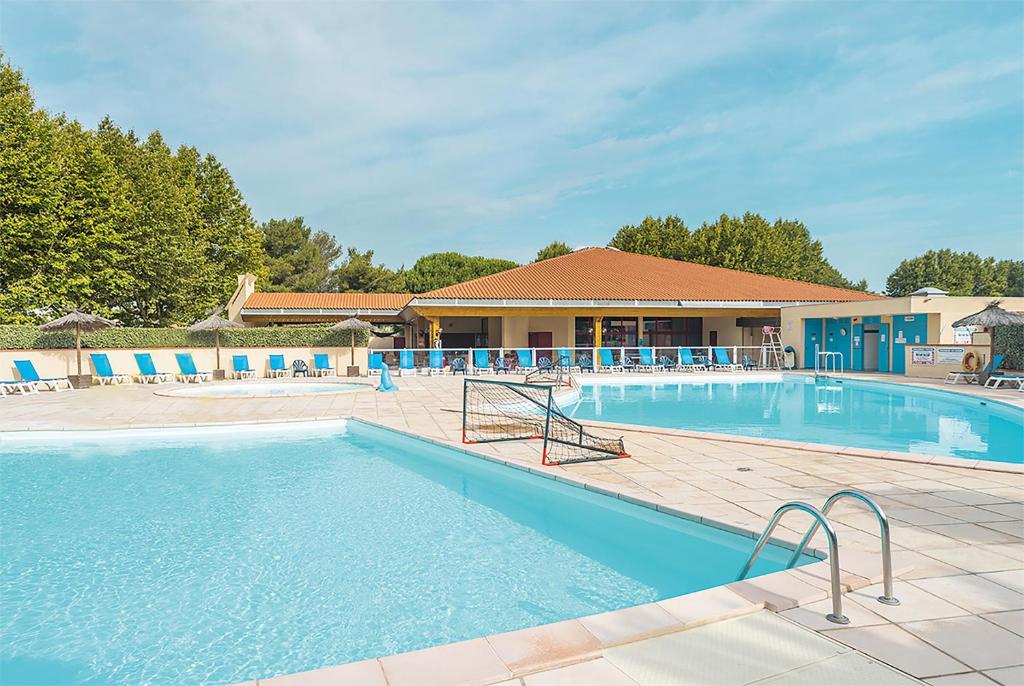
(507, 411)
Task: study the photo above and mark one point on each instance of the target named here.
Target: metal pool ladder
(821, 520)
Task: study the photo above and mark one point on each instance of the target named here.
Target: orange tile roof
(327, 301)
(609, 274)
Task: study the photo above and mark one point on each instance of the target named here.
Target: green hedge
(31, 338)
(1009, 341)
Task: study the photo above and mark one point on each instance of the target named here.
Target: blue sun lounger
(147, 370)
(104, 372)
(525, 360)
(482, 362)
(687, 363)
(722, 361)
(406, 363)
(435, 363)
(647, 362)
(277, 367)
(30, 376)
(565, 360)
(608, 361)
(322, 365)
(187, 371)
(240, 367)
(374, 364)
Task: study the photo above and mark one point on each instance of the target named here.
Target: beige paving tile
(1011, 578)
(599, 672)
(467, 662)
(967, 679)
(812, 615)
(544, 646)
(899, 648)
(971, 640)
(1008, 676)
(973, 593)
(1013, 620)
(713, 603)
(915, 603)
(631, 623)
(848, 669)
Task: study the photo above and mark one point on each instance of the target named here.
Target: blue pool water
(863, 414)
(173, 558)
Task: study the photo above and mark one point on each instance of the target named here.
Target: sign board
(949, 355)
(963, 334)
(922, 356)
(909, 318)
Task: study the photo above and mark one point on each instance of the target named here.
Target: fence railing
(526, 359)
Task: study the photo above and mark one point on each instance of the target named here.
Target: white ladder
(772, 349)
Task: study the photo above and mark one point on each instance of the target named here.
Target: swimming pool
(264, 389)
(191, 556)
(863, 414)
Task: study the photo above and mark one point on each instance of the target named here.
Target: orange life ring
(971, 362)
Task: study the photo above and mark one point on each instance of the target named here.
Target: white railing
(825, 359)
(585, 358)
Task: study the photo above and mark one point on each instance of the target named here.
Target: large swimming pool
(863, 414)
(218, 556)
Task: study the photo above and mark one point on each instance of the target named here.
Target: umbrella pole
(352, 348)
(78, 346)
(216, 340)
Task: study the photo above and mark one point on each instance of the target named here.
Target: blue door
(837, 338)
(812, 338)
(883, 347)
(858, 348)
(908, 329)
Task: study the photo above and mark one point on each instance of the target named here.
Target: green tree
(659, 237)
(358, 274)
(441, 269)
(554, 249)
(297, 258)
(958, 273)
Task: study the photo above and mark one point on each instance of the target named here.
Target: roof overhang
(552, 303)
(318, 312)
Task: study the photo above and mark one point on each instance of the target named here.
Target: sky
(495, 128)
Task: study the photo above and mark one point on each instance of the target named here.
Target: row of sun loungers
(32, 382)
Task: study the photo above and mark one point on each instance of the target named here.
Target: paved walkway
(961, 620)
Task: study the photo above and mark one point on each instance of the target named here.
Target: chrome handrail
(836, 615)
(883, 523)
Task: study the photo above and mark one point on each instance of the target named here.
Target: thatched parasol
(989, 318)
(79, 321)
(215, 323)
(351, 325)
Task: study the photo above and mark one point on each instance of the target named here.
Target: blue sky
(889, 129)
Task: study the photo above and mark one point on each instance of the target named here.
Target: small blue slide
(385, 380)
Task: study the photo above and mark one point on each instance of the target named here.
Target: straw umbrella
(352, 324)
(991, 317)
(79, 321)
(215, 323)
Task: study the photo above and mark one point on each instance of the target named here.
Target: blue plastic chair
(458, 366)
(188, 371)
(147, 370)
(500, 365)
(30, 376)
(240, 367)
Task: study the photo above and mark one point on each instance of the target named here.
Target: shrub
(31, 338)
(1009, 341)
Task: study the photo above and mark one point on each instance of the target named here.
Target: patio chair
(608, 360)
(406, 363)
(647, 363)
(544, 364)
(722, 361)
(277, 367)
(628, 365)
(458, 366)
(322, 365)
(435, 363)
(20, 387)
(972, 377)
(300, 367)
(749, 363)
(500, 365)
(667, 363)
(30, 376)
(240, 367)
(148, 372)
(525, 361)
(585, 363)
(104, 372)
(482, 362)
(187, 369)
(374, 364)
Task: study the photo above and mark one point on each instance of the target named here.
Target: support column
(435, 326)
(598, 325)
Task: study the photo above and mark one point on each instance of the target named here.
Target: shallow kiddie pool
(263, 389)
(216, 556)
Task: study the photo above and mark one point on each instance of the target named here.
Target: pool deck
(958, 534)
